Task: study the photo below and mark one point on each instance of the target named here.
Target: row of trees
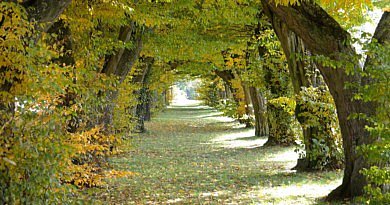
(73, 87)
(78, 77)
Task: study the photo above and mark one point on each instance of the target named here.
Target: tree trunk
(141, 109)
(279, 120)
(300, 73)
(248, 106)
(322, 35)
(120, 64)
(44, 13)
(227, 76)
(260, 112)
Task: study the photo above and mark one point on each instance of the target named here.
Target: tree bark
(141, 110)
(322, 35)
(45, 11)
(260, 112)
(125, 35)
(279, 120)
(120, 64)
(246, 100)
(299, 71)
(227, 76)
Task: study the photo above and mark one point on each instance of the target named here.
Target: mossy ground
(193, 155)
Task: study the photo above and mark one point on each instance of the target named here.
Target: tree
(24, 71)
(317, 128)
(322, 35)
(275, 80)
(142, 77)
(120, 64)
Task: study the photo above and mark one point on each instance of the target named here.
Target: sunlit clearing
(214, 194)
(303, 193)
(184, 93)
(218, 117)
(287, 155)
(211, 115)
(172, 201)
(242, 139)
(303, 190)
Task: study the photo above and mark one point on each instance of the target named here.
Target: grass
(193, 155)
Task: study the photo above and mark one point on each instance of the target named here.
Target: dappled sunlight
(193, 155)
(283, 159)
(172, 201)
(214, 194)
(233, 136)
(241, 139)
(305, 192)
(286, 155)
(211, 115)
(219, 118)
(287, 187)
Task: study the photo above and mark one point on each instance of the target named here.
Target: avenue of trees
(78, 78)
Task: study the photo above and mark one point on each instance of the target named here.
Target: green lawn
(193, 155)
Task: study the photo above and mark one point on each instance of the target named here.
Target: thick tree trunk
(294, 50)
(226, 75)
(247, 103)
(45, 12)
(322, 35)
(125, 35)
(147, 106)
(260, 111)
(228, 91)
(120, 64)
(248, 100)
